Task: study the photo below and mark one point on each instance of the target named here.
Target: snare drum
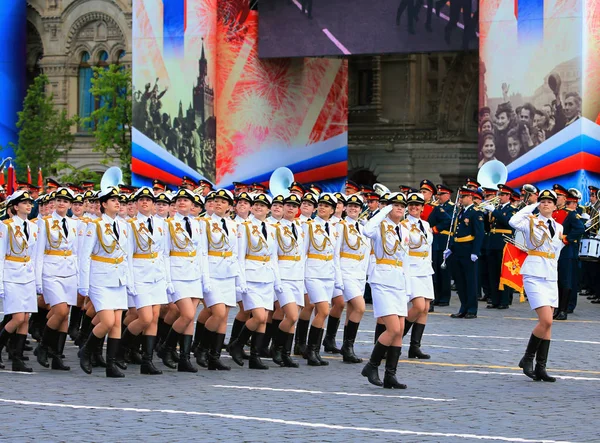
(589, 249)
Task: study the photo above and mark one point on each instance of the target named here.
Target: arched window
(103, 59)
(86, 100)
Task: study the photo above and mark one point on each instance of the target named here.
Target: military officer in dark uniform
(573, 230)
(499, 216)
(488, 193)
(439, 219)
(465, 244)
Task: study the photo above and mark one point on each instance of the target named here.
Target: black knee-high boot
(74, 322)
(300, 338)
(350, 332)
(379, 329)
(86, 323)
(197, 335)
(257, 341)
(415, 343)
(112, 348)
(147, 367)
(17, 345)
(391, 364)
(185, 347)
(526, 362)
(540, 362)
(88, 350)
(203, 346)
(286, 358)
(279, 340)
(371, 368)
(166, 350)
(214, 353)
(407, 327)
(57, 361)
(264, 350)
(333, 323)
(235, 330)
(236, 348)
(43, 349)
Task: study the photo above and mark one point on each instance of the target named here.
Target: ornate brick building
(413, 116)
(65, 39)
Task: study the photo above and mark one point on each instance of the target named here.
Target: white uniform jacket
(390, 250)
(543, 249)
(419, 247)
(222, 247)
(319, 248)
(187, 254)
(352, 250)
(17, 253)
(103, 257)
(148, 253)
(258, 254)
(290, 250)
(56, 252)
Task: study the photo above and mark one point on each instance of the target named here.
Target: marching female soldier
(352, 257)
(56, 277)
(420, 272)
(103, 277)
(259, 269)
(225, 277)
(18, 237)
(543, 239)
(186, 241)
(149, 269)
(389, 287)
(290, 254)
(320, 275)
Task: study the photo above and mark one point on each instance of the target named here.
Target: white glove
(585, 216)
(474, 258)
(206, 288)
(588, 223)
(131, 291)
(447, 253)
(83, 291)
(38, 289)
(170, 289)
(278, 288)
(243, 289)
(489, 208)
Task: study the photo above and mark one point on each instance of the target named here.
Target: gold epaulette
(48, 217)
(8, 221)
(247, 222)
(169, 219)
(433, 203)
(451, 203)
(343, 222)
(34, 220)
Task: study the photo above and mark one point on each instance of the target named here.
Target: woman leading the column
(259, 269)
(543, 241)
(320, 274)
(352, 257)
(186, 240)
(56, 277)
(18, 237)
(103, 277)
(420, 273)
(390, 288)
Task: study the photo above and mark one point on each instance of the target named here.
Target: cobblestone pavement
(470, 390)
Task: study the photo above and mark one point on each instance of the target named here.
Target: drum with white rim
(589, 249)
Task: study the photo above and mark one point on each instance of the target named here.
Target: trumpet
(527, 191)
(492, 201)
(593, 222)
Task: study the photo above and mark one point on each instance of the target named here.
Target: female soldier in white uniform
(103, 277)
(149, 269)
(259, 269)
(390, 288)
(320, 274)
(352, 258)
(543, 240)
(224, 274)
(290, 254)
(186, 241)
(17, 257)
(420, 273)
(56, 276)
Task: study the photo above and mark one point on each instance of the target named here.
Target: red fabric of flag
(510, 275)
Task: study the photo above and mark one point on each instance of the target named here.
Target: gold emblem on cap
(326, 197)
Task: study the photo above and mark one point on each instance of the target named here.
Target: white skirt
(319, 290)
(19, 297)
(353, 287)
(540, 292)
(421, 286)
(60, 290)
(108, 299)
(222, 291)
(388, 300)
(150, 294)
(186, 289)
(259, 295)
(293, 292)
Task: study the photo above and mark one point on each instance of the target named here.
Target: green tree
(44, 132)
(111, 121)
(68, 173)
